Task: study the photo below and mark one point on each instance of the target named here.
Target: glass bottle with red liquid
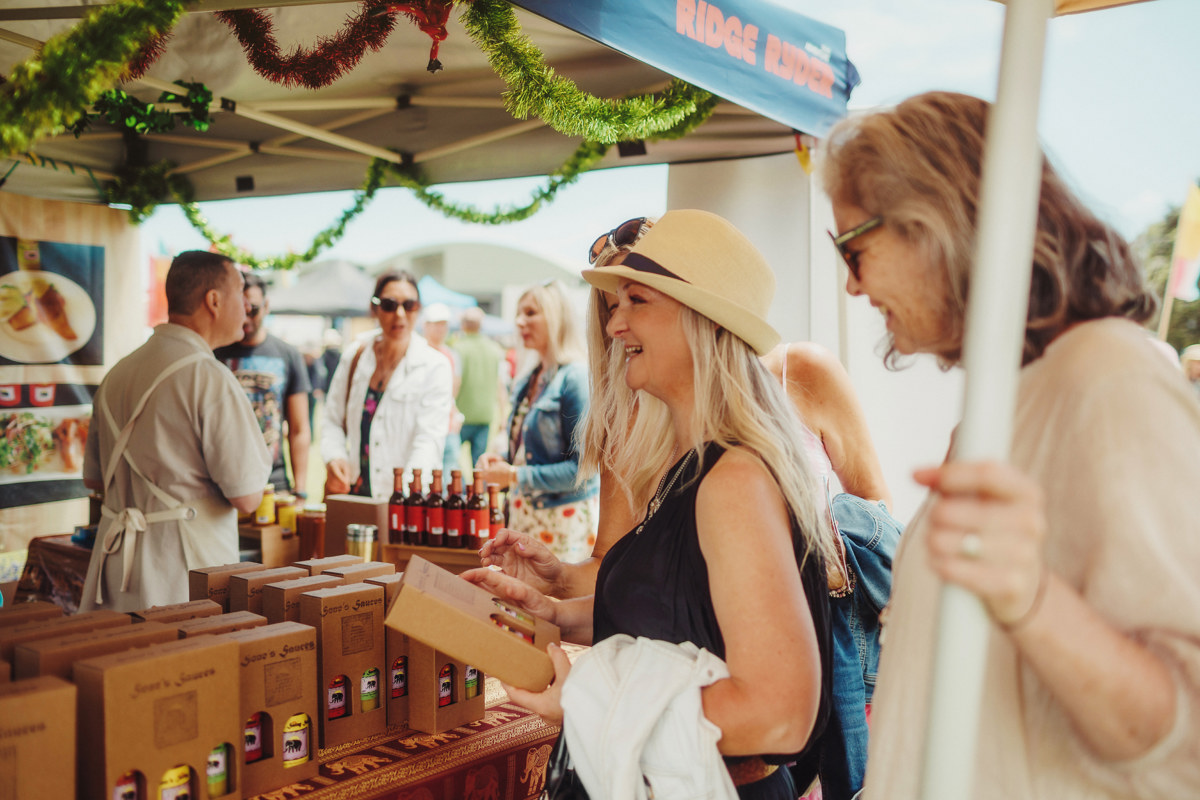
(456, 506)
(495, 513)
(414, 511)
(396, 514)
(477, 514)
(435, 512)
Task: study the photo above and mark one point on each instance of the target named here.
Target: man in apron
(173, 447)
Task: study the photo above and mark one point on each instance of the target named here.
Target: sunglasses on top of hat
(625, 234)
(389, 306)
(841, 240)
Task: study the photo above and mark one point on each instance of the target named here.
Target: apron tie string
(131, 521)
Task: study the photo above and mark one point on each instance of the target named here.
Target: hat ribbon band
(639, 262)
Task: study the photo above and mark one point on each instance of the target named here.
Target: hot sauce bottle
(446, 686)
(495, 512)
(396, 518)
(455, 508)
(253, 737)
(477, 514)
(369, 690)
(337, 696)
(295, 740)
(435, 512)
(400, 676)
(414, 511)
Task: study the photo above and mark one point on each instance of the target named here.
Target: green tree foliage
(1153, 247)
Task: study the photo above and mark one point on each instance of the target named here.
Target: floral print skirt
(569, 530)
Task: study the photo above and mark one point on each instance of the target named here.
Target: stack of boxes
(231, 694)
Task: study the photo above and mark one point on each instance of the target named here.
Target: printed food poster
(51, 297)
(51, 301)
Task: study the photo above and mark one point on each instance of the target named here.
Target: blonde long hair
(562, 331)
(737, 403)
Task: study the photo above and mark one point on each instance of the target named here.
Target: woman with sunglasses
(729, 552)
(1085, 546)
(540, 460)
(389, 400)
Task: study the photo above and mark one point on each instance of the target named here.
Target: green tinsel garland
(535, 89)
(50, 90)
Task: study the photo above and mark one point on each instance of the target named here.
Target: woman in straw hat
(730, 552)
(1085, 547)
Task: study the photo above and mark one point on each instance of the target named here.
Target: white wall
(910, 413)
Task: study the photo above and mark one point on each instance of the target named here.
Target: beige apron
(119, 529)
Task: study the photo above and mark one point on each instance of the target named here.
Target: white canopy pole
(995, 325)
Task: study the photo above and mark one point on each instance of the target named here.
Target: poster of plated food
(51, 302)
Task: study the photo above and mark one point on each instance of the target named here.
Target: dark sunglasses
(623, 235)
(389, 306)
(841, 240)
(252, 310)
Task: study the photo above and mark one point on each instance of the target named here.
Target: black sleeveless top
(655, 584)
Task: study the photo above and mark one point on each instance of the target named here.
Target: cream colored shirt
(1111, 431)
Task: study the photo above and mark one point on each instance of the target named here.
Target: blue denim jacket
(870, 535)
(551, 458)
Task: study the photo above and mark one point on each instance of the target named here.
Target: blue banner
(755, 53)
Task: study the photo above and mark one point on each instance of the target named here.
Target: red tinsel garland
(431, 17)
(320, 66)
(146, 57)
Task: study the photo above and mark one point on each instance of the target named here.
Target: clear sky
(1120, 116)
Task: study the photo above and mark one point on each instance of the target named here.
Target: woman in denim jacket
(540, 461)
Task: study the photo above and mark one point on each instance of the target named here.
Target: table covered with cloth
(500, 757)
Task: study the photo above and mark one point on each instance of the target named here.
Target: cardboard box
(278, 682)
(350, 643)
(344, 509)
(281, 600)
(316, 566)
(20, 613)
(279, 546)
(5, 672)
(212, 583)
(149, 710)
(37, 739)
(396, 648)
(221, 623)
(177, 612)
(443, 692)
(42, 629)
(357, 573)
(439, 609)
(58, 654)
(245, 590)
(456, 560)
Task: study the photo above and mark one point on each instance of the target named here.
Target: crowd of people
(704, 506)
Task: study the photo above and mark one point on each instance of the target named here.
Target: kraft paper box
(316, 566)
(245, 590)
(464, 621)
(177, 612)
(357, 573)
(454, 560)
(344, 509)
(443, 692)
(279, 546)
(350, 650)
(60, 626)
(149, 710)
(396, 649)
(279, 683)
(20, 613)
(281, 600)
(212, 583)
(221, 623)
(37, 732)
(58, 654)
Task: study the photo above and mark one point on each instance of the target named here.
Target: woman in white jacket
(389, 401)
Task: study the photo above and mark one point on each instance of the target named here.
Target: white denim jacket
(635, 726)
(410, 425)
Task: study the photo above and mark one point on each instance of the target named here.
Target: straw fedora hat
(704, 262)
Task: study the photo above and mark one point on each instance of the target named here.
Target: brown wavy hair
(918, 166)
